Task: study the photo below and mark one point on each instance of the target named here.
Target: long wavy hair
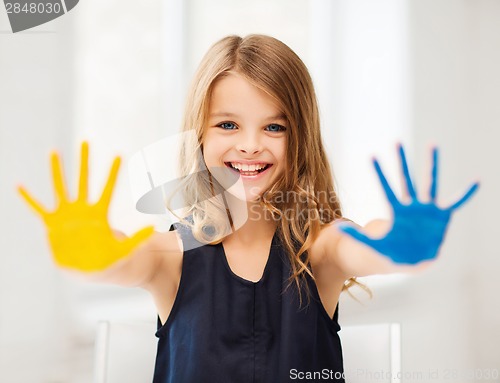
(273, 67)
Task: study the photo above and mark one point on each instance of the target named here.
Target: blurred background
(116, 72)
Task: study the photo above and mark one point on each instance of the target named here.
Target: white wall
(456, 57)
(36, 82)
(450, 313)
(52, 96)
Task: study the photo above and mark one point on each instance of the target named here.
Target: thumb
(355, 233)
(139, 237)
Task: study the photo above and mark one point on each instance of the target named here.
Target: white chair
(125, 352)
(372, 353)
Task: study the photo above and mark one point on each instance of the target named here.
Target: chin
(245, 195)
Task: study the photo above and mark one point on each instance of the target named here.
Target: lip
(255, 177)
(248, 162)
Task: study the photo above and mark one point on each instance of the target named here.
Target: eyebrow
(280, 116)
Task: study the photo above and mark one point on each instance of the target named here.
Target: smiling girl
(248, 283)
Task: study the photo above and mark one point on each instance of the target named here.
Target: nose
(249, 143)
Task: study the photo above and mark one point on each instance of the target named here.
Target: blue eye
(227, 125)
(276, 128)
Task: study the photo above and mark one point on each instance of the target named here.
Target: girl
(247, 286)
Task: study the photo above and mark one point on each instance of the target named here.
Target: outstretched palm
(419, 227)
(78, 231)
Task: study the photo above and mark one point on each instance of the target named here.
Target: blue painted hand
(419, 227)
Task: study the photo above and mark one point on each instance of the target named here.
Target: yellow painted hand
(79, 232)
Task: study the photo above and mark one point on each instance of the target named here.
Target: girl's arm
(157, 258)
(82, 240)
(355, 259)
(407, 243)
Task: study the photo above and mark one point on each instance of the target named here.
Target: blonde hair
(273, 67)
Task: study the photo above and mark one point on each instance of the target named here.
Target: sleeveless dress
(226, 329)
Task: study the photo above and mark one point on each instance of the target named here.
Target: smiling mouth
(247, 172)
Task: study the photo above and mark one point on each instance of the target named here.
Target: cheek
(208, 149)
(281, 155)
(211, 154)
(216, 147)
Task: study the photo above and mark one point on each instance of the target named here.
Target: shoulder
(329, 277)
(167, 242)
(168, 249)
(325, 242)
(327, 269)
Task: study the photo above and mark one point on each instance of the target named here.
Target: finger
(472, 189)
(84, 172)
(385, 185)
(35, 205)
(406, 173)
(139, 237)
(58, 178)
(434, 175)
(108, 189)
(356, 234)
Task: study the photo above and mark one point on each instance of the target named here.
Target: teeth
(247, 168)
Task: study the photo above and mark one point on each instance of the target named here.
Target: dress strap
(189, 242)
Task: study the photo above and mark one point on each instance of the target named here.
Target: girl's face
(244, 144)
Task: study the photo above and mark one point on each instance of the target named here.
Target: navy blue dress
(226, 329)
